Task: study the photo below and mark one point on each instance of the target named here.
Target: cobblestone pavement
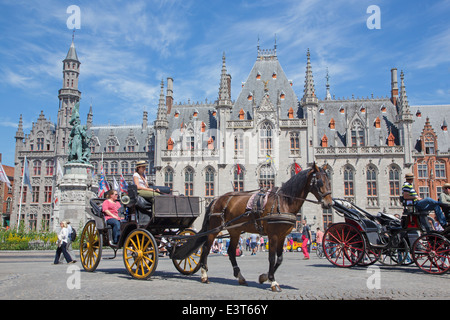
(30, 275)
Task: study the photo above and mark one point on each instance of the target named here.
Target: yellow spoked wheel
(191, 264)
(91, 244)
(140, 254)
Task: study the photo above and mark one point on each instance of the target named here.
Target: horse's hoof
(276, 288)
(263, 278)
(242, 282)
(205, 281)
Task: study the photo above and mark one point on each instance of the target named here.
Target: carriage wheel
(343, 245)
(140, 254)
(91, 243)
(431, 253)
(396, 253)
(191, 264)
(371, 255)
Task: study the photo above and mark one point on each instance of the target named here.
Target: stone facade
(209, 148)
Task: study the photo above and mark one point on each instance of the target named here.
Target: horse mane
(291, 188)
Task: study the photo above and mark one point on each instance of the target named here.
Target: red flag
(297, 168)
(239, 170)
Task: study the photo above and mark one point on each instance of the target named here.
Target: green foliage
(33, 240)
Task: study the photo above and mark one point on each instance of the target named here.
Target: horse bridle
(318, 183)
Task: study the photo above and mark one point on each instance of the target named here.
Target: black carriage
(431, 250)
(364, 239)
(147, 229)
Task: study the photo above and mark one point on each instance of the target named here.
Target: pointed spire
(20, 134)
(328, 96)
(404, 105)
(162, 112)
(309, 93)
(72, 54)
(224, 90)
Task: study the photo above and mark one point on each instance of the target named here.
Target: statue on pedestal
(79, 150)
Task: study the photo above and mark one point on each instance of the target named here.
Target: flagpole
(21, 194)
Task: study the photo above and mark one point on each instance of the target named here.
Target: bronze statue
(79, 151)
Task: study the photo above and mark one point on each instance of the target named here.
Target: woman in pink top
(110, 208)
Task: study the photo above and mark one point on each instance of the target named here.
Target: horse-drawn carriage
(364, 239)
(146, 229)
(272, 213)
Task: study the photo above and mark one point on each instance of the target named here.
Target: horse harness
(255, 212)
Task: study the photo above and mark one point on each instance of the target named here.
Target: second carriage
(364, 239)
(148, 229)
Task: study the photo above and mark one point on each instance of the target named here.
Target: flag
(4, 177)
(123, 185)
(115, 185)
(239, 170)
(103, 186)
(297, 167)
(26, 173)
(269, 159)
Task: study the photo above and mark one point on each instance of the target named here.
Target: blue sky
(127, 47)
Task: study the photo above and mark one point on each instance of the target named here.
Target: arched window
(372, 188)
(266, 177)
(168, 178)
(238, 181)
(265, 139)
(125, 167)
(209, 182)
(357, 134)
(49, 165)
(349, 182)
(37, 167)
(394, 182)
(189, 182)
(295, 143)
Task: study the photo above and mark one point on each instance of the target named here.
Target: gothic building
(256, 141)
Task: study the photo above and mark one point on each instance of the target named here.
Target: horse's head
(320, 186)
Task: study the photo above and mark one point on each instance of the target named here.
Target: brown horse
(275, 219)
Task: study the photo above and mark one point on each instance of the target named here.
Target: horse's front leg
(234, 241)
(274, 245)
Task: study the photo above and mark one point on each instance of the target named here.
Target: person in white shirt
(69, 244)
(140, 180)
(62, 244)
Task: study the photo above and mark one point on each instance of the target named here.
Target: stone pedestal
(74, 193)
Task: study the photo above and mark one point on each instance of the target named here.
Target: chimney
(169, 96)
(394, 86)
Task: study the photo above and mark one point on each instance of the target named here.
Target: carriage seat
(97, 213)
(409, 208)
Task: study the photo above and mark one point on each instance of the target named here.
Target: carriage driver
(140, 180)
(427, 204)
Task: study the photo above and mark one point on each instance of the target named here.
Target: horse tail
(192, 245)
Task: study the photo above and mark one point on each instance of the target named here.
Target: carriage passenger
(110, 208)
(409, 193)
(140, 180)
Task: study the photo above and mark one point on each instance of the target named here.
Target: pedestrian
(291, 243)
(254, 243)
(69, 243)
(319, 237)
(62, 244)
(261, 244)
(306, 235)
(409, 193)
